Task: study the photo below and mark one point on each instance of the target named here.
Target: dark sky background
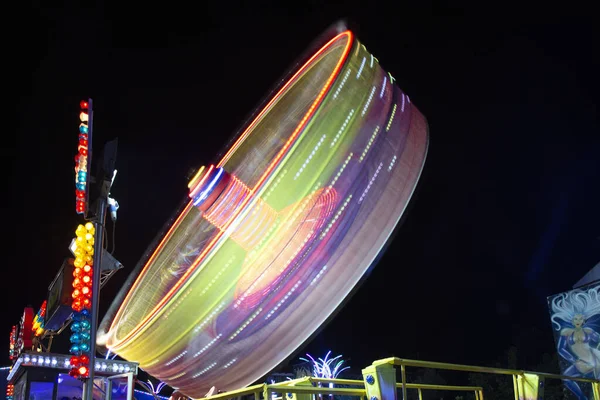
(507, 210)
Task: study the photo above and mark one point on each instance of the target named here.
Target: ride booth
(45, 376)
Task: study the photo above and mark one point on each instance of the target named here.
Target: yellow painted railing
(380, 383)
(526, 384)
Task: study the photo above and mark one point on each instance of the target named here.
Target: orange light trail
(288, 83)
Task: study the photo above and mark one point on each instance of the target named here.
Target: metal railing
(380, 383)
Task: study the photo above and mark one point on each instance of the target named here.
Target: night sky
(507, 208)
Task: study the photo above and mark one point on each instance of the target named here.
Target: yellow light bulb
(79, 241)
(79, 262)
(91, 241)
(89, 236)
(90, 227)
(80, 231)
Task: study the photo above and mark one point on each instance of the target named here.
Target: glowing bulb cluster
(82, 300)
(81, 160)
(12, 352)
(10, 390)
(39, 320)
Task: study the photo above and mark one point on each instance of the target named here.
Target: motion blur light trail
(280, 230)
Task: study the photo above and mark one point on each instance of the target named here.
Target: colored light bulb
(83, 104)
(90, 227)
(83, 370)
(87, 269)
(75, 338)
(84, 347)
(75, 349)
(76, 326)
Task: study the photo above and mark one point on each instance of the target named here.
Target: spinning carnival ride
(280, 230)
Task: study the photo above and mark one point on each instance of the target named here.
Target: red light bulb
(84, 359)
(87, 269)
(86, 279)
(83, 370)
(87, 303)
(83, 104)
(74, 361)
(76, 293)
(74, 373)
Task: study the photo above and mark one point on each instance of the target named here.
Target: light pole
(88, 388)
(104, 177)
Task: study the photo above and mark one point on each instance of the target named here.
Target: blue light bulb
(83, 129)
(76, 326)
(75, 338)
(80, 186)
(75, 349)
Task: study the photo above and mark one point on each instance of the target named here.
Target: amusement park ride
(275, 236)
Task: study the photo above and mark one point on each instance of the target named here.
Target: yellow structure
(381, 383)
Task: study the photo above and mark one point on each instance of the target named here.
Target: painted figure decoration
(575, 317)
(279, 230)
